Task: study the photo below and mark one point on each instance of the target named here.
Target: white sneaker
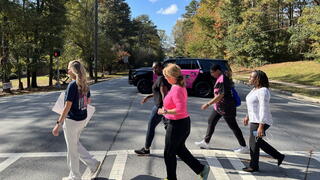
(202, 144)
(242, 150)
(92, 172)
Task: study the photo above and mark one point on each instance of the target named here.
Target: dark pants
(256, 144)
(176, 136)
(232, 123)
(154, 120)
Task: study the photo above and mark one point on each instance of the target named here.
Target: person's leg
(87, 158)
(154, 120)
(233, 125)
(174, 139)
(183, 152)
(266, 147)
(254, 147)
(212, 122)
(71, 131)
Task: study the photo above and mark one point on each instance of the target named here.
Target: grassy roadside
(43, 84)
(301, 72)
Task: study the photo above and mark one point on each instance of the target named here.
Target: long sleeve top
(258, 105)
(176, 99)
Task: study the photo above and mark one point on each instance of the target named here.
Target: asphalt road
(29, 151)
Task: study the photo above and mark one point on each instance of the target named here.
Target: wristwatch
(165, 111)
(58, 122)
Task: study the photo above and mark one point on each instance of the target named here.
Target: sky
(163, 13)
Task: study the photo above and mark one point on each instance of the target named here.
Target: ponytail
(81, 77)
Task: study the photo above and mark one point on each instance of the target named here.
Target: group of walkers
(172, 108)
(170, 98)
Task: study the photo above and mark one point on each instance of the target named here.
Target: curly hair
(262, 78)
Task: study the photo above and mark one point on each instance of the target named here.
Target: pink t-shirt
(177, 98)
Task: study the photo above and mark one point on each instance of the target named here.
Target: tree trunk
(91, 69)
(19, 74)
(5, 58)
(28, 75)
(50, 70)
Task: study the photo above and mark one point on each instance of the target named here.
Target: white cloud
(173, 9)
(153, 1)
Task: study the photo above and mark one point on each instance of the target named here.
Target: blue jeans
(154, 120)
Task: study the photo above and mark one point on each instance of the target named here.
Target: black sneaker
(281, 159)
(142, 152)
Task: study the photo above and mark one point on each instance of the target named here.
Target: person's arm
(220, 85)
(264, 108)
(145, 99)
(245, 120)
(62, 117)
(163, 91)
(212, 101)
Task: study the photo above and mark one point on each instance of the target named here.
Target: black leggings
(232, 123)
(176, 136)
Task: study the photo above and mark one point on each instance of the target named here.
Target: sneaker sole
(143, 154)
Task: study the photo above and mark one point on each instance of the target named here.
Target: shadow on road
(145, 177)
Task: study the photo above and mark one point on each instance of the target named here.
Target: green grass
(41, 81)
(306, 92)
(300, 72)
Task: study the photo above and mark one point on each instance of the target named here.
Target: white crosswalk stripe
(10, 160)
(216, 168)
(118, 167)
(238, 165)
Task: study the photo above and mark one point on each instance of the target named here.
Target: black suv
(196, 72)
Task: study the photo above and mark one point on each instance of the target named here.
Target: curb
(297, 96)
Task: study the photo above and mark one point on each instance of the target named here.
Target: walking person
(224, 106)
(178, 129)
(159, 91)
(259, 116)
(77, 96)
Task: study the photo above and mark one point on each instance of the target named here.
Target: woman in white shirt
(259, 116)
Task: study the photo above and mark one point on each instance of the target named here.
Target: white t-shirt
(258, 105)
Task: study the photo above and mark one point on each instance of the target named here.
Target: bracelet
(208, 104)
(165, 111)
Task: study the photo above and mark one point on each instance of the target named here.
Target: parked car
(196, 72)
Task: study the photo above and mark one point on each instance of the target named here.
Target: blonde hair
(81, 76)
(174, 70)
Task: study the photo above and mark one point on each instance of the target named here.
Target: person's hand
(245, 121)
(260, 131)
(161, 111)
(55, 130)
(205, 106)
(144, 100)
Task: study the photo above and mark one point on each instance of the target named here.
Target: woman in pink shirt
(176, 113)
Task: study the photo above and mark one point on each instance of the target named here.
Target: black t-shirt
(226, 106)
(161, 81)
(78, 111)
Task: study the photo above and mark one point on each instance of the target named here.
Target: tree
(146, 42)
(79, 32)
(305, 38)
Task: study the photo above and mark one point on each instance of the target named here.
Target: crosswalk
(218, 170)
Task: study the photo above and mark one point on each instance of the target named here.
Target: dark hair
(215, 67)
(262, 78)
(157, 64)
